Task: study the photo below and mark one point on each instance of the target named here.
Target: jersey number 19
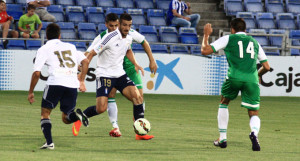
(249, 50)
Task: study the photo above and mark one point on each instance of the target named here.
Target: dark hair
(238, 24)
(52, 31)
(30, 7)
(1, 1)
(125, 16)
(111, 17)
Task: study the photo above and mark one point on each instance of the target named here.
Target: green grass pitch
(184, 127)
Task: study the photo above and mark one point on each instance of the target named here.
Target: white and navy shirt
(111, 50)
(62, 60)
(180, 7)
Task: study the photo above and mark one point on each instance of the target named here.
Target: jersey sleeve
(95, 41)
(37, 19)
(104, 43)
(219, 44)
(261, 54)
(40, 60)
(174, 5)
(136, 36)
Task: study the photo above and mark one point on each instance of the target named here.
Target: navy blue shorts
(105, 84)
(66, 96)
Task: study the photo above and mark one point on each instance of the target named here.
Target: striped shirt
(180, 7)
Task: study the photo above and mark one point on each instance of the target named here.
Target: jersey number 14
(249, 50)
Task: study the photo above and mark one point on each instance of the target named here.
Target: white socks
(112, 111)
(255, 124)
(223, 117)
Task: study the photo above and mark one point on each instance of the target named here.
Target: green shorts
(250, 93)
(30, 33)
(135, 77)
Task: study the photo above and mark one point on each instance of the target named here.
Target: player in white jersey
(62, 60)
(111, 22)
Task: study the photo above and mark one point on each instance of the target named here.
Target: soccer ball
(141, 126)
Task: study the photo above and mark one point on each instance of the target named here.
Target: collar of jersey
(53, 41)
(244, 33)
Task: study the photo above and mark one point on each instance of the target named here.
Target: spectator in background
(41, 9)
(5, 22)
(27, 23)
(175, 14)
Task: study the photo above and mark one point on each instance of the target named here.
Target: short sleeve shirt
(26, 22)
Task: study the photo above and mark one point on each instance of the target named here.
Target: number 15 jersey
(242, 52)
(62, 60)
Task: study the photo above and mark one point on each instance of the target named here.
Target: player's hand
(259, 78)
(137, 68)
(30, 98)
(82, 87)
(208, 29)
(153, 66)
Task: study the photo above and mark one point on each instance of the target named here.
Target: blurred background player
(41, 9)
(111, 49)
(242, 52)
(112, 23)
(62, 60)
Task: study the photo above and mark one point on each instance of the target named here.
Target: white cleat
(46, 146)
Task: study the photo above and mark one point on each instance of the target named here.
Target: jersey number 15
(66, 57)
(249, 50)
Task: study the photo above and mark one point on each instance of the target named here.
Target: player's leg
(35, 35)
(112, 111)
(24, 35)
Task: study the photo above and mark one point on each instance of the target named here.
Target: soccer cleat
(82, 117)
(46, 146)
(115, 132)
(221, 144)
(143, 137)
(76, 127)
(255, 142)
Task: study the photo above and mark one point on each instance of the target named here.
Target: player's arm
(152, 63)
(188, 9)
(84, 69)
(39, 27)
(34, 80)
(44, 3)
(131, 57)
(264, 62)
(206, 49)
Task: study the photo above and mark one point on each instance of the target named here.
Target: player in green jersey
(242, 52)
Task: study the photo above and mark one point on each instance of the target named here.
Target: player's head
(112, 22)
(2, 5)
(30, 10)
(53, 31)
(125, 23)
(238, 25)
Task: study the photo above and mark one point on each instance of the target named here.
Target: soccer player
(112, 23)
(242, 52)
(110, 74)
(62, 60)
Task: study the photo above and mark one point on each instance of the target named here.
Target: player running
(242, 52)
(112, 23)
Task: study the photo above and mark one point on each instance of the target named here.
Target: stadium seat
(295, 52)
(75, 14)
(249, 19)
(233, 6)
(275, 40)
(285, 21)
(85, 3)
(265, 21)
(15, 14)
(295, 36)
(117, 11)
(137, 48)
(149, 32)
(87, 31)
(105, 3)
(298, 21)
(274, 6)
(263, 40)
(65, 2)
(158, 48)
(293, 6)
(138, 17)
(16, 45)
(272, 51)
(33, 44)
(253, 6)
(95, 15)
(101, 27)
(1, 45)
(23, 2)
(188, 35)
(196, 50)
(45, 24)
(163, 4)
(156, 17)
(144, 4)
(168, 34)
(67, 30)
(176, 49)
(125, 3)
(57, 11)
(14, 7)
(81, 46)
(10, 1)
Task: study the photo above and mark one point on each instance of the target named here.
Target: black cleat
(255, 142)
(82, 117)
(221, 144)
(5, 42)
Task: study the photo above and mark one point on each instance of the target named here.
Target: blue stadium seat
(14, 7)
(156, 17)
(65, 2)
(196, 50)
(125, 3)
(274, 6)
(101, 27)
(298, 21)
(75, 14)
(144, 4)
(15, 14)
(293, 6)
(158, 48)
(52, 2)
(295, 34)
(10, 1)
(33, 44)
(275, 40)
(67, 30)
(95, 15)
(45, 24)
(57, 11)
(265, 21)
(87, 31)
(81, 46)
(249, 19)
(176, 49)
(105, 3)
(23, 2)
(163, 4)
(16, 44)
(138, 17)
(285, 21)
(295, 52)
(188, 35)
(1, 45)
(168, 34)
(85, 3)
(253, 6)
(272, 51)
(137, 48)
(117, 11)
(263, 40)
(149, 32)
(55, 8)
(233, 6)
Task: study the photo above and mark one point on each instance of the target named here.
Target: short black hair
(238, 24)
(111, 17)
(30, 7)
(52, 31)
(1, 1)
(125, 16)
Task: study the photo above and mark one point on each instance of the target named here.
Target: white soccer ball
(141, 126)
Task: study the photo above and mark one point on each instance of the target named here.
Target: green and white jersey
(242, 52)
